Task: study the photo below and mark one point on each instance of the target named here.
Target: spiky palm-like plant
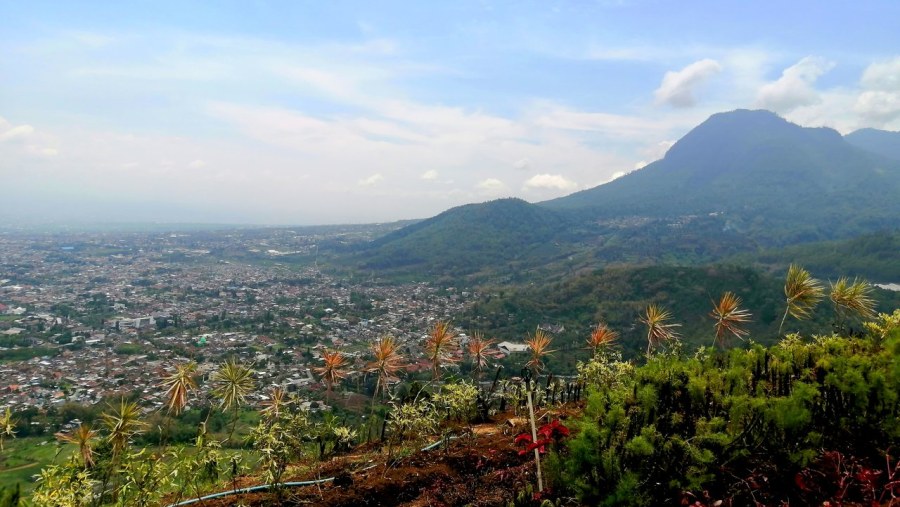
(278, 401)
(479, 352)
(852, 298)
(602, 336)
(83, 436)
(539, 345)
(440, 344)
(387, 363)
(122, 423)
(233, 383)
(729, 317)
(7, 426)
(659, 328)
(333, 369)
(179, 385)
(802, 293)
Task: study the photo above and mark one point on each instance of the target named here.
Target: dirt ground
(481, 467)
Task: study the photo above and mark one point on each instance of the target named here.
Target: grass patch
(22, 458)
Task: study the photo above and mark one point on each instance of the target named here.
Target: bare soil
(482, 467)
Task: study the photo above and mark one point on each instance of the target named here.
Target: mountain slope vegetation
(772, 180)
(466, 239)
(882, 142)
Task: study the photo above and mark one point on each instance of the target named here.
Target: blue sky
(327, 112)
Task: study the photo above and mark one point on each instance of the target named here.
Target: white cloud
(550, 182)
(678, 87)
(795, 87)
(491, 186)
(430, 175)
(197, 164)
(522, 164)
(11, 133)
(883, 76)
(879, 102)
(371, 180)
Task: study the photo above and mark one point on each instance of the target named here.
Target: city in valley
(86, 317)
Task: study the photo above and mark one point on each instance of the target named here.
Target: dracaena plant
(7, 426)
(730, 318)
(479, 352)
(851, 298)
(539, 348)
(387, 363)
(84, 437)
(660, 329)
(601, 338)
(179, 385)
(439, 346)
(333, 369)
(802, 293)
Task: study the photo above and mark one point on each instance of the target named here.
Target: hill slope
(773, 180)
(882, 142)
(465, 239)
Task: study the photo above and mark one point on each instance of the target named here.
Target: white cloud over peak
(430, 175)
(879, 102)
(492, 187)
(678, 88)
(795, 87)
(550, 182)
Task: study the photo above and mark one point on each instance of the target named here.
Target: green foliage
(457, 401)
(64, 485)
(713, 421)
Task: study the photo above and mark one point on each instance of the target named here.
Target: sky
(302, 112)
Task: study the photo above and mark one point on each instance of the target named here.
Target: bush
(739, 426)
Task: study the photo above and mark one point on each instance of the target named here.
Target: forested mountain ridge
(882, 142)
(467, 238)
(771, 179)
(742, 181)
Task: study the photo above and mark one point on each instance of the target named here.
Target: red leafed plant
(552, 432)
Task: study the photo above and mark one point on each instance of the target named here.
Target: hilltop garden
(811, 420)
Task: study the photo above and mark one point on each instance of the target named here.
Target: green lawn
(22, 458)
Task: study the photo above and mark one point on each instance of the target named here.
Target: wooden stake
(537, 452)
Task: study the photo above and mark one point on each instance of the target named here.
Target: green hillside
(618, 295)
(873, 256)
(771, 180)
(506, 234)
(882, 142)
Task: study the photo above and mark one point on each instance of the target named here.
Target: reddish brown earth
(480, 468)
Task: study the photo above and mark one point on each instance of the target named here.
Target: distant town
(89, 316)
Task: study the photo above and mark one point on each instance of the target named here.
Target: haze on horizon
(355, 112)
